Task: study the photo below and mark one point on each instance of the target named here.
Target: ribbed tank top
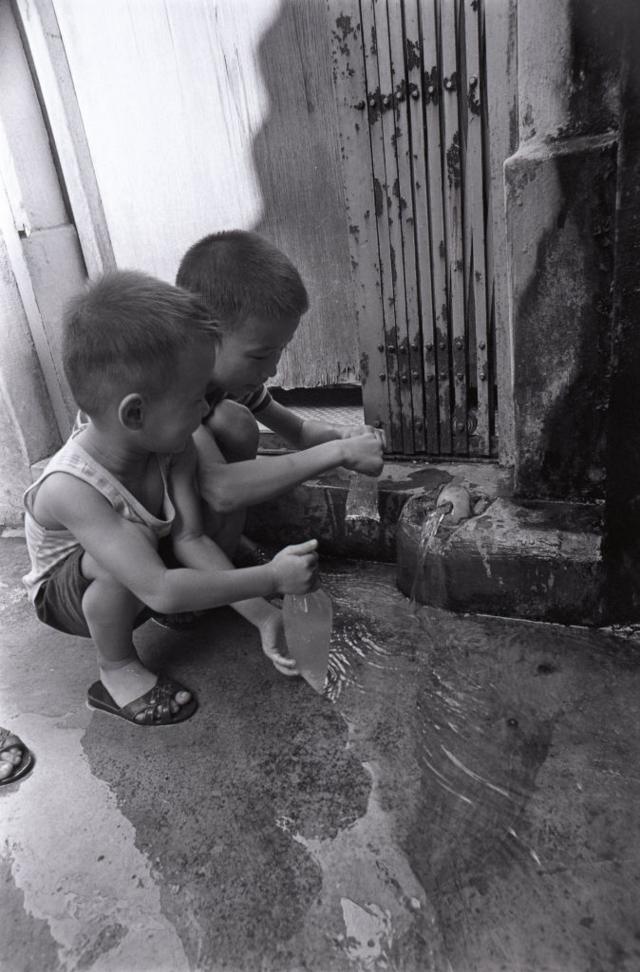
(46, 547)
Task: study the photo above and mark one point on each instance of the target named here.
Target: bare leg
(110, 610)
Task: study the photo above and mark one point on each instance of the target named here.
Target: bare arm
(305, 433)
(126, 551)
(232, 486)
(194, 549)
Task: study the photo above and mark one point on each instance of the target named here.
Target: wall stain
(412, 54)
(454, 170)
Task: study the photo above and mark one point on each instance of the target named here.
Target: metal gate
(411, 86)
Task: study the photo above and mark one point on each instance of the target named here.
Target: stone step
(317, 508)
(535, 560)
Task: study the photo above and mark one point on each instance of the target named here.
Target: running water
(475, 737)
(362, 499)
(353, 643)
(428, 533)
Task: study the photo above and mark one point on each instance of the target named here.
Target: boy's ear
(131, 412)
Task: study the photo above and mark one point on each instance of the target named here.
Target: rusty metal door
(411, 86)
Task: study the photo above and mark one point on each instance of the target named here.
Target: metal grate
(412, 93)
(333, 414)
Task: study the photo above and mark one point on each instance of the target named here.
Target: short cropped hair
(127, 329)
(239, 274)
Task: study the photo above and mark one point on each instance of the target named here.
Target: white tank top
(47, 548)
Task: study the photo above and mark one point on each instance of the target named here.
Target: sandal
(20, 758)
(151, 709)
(184, 621)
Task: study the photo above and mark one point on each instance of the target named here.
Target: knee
(235, 430)
(105, 599)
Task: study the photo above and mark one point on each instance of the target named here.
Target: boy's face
(249, 354)
(171, 420)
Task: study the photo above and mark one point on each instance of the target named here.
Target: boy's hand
(274, 644)
(296, 568)
(363, 453)
(349, 431)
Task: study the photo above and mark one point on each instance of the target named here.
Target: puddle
(73, 857)
(507, 751)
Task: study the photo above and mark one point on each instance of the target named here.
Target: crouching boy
(138, 354)
(259, 298)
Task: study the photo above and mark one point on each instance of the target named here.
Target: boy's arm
(231, 486)
(194, 549)
(125, 550)
(305, 433)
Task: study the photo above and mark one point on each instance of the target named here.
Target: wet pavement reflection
(463, 798)
(509, 752)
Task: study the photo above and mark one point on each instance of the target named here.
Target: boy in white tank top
(138, 355)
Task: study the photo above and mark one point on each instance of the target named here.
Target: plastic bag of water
(308, 620)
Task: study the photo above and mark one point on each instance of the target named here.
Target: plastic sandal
(13, 746)
(151, 709)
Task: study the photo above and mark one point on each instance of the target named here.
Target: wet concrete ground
(464, 799)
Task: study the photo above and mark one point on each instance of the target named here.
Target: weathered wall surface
(206, 116)
(560, 197)
(560, 201)
(622, 539)
(28, 431)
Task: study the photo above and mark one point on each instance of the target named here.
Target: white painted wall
(178, 114)
(171, 99)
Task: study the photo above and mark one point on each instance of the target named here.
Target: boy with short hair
(258, 296)
(138, 355)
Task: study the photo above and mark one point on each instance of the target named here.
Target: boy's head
(258, 296)
(129, 333)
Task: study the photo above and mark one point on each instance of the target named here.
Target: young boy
(258, 297)
(138, 354)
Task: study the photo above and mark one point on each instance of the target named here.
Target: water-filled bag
(308, 619)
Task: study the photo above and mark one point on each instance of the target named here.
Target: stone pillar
(560, 200)
(622, 510)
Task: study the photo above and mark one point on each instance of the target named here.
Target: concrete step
(534, 560)
(317, 508)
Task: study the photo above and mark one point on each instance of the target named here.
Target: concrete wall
(560, 198)
(622, 508)
(202, 116)
(28, 431)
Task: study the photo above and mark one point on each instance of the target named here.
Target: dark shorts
(58, 603)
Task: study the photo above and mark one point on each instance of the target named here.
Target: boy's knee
(105, 595)
(235, 430)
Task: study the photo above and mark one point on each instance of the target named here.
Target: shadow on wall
(565, 315)
(564, 325)
(296, 156)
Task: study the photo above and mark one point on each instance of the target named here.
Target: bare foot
(131, 680)
(13, 756)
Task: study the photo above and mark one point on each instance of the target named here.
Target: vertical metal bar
(472, 87)
(437, 347)
(351, 98)
(411, 375)
(392, 208)
(453, 202)
(424, 283)
(399, 422)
